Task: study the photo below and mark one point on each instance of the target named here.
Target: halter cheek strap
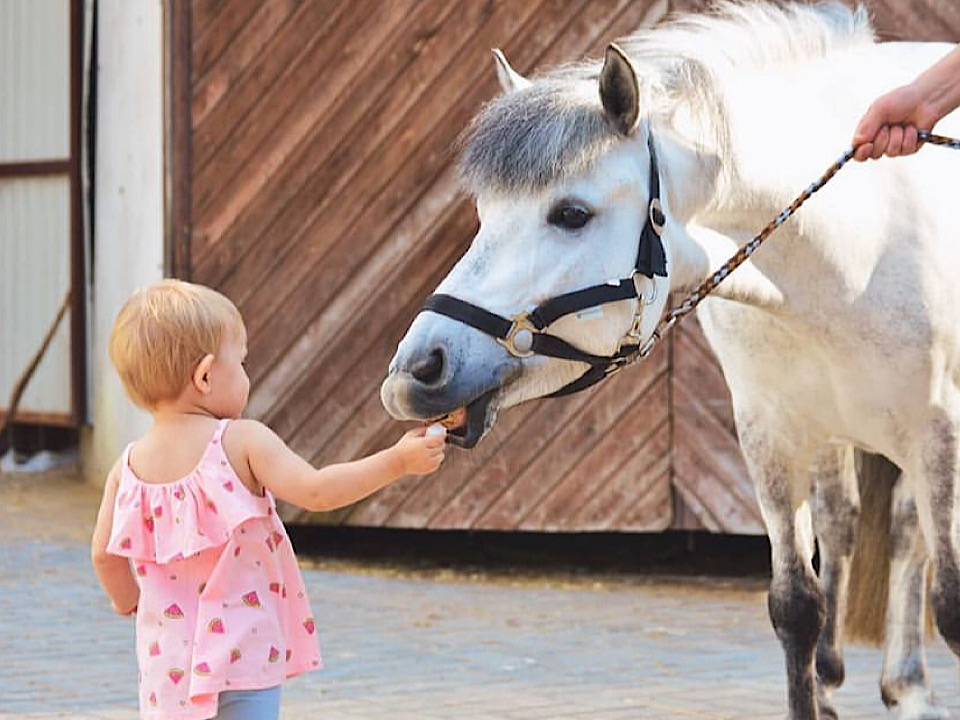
(524, 335)
(651, 258)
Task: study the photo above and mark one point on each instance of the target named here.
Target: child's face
(231, 386)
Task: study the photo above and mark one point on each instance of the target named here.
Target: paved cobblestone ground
(419, 645)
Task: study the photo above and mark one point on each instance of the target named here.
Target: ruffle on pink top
(170, 521)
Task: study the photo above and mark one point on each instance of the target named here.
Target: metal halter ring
(522, 329)
(640, 282)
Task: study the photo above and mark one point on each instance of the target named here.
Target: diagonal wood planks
(325, 203)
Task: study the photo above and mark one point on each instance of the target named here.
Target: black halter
(528, 328)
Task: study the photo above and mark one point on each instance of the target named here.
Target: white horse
(840, 333)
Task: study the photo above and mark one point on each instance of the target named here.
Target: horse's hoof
(825, 708)
(921, 705)
(827, 712)
(930, 713)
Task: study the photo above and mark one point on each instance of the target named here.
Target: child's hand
(126, 612)
(420, 454)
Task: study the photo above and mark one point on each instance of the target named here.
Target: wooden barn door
(324, 203)
(315, 143)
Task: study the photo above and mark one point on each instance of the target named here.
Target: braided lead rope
(691, 301)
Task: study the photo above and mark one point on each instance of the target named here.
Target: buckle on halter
(657, 218)
(632, 336)
(519, 339)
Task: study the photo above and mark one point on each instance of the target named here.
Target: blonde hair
(162, 332)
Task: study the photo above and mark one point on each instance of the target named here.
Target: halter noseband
(524, 334)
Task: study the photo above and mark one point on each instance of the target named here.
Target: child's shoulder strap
(218, 433)
(125, 469)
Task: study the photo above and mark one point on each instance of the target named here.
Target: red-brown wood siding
(322, 199)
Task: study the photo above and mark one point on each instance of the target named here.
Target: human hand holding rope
(894, 123)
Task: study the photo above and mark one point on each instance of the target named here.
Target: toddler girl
(222, 615)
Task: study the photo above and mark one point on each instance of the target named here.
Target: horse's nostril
(429, 369)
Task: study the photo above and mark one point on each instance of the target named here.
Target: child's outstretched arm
(113, 571)
(291, 478)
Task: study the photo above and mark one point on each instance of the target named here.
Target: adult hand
(890, 125)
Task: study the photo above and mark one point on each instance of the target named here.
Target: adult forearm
(941, 84)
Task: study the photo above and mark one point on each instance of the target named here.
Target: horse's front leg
(836, 508)
(796, 604)
(903, 682)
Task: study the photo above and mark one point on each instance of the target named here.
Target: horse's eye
(569, 216)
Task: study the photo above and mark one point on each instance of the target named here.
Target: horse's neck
(778, 142)
(693, 187)
(707, 252)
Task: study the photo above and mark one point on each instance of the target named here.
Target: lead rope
(691, 301)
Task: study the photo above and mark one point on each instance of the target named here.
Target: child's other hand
(420, 454)
(126, 612)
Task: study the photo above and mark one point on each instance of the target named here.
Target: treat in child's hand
(436, 429)
(454, 419)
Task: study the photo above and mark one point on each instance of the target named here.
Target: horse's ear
(620, 91)
(510, 79)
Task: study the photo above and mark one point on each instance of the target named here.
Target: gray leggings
(250, 704)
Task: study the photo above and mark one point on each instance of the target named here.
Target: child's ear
(201, 375)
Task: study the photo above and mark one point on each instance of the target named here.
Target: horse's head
(566, 188)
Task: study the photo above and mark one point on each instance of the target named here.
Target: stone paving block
(418, 646)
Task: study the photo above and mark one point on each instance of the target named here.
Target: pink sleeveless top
(222, 602)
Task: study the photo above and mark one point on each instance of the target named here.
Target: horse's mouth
(466, 425)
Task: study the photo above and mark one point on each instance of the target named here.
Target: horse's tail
(870, 568)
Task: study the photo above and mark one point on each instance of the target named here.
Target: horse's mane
(555, 128)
